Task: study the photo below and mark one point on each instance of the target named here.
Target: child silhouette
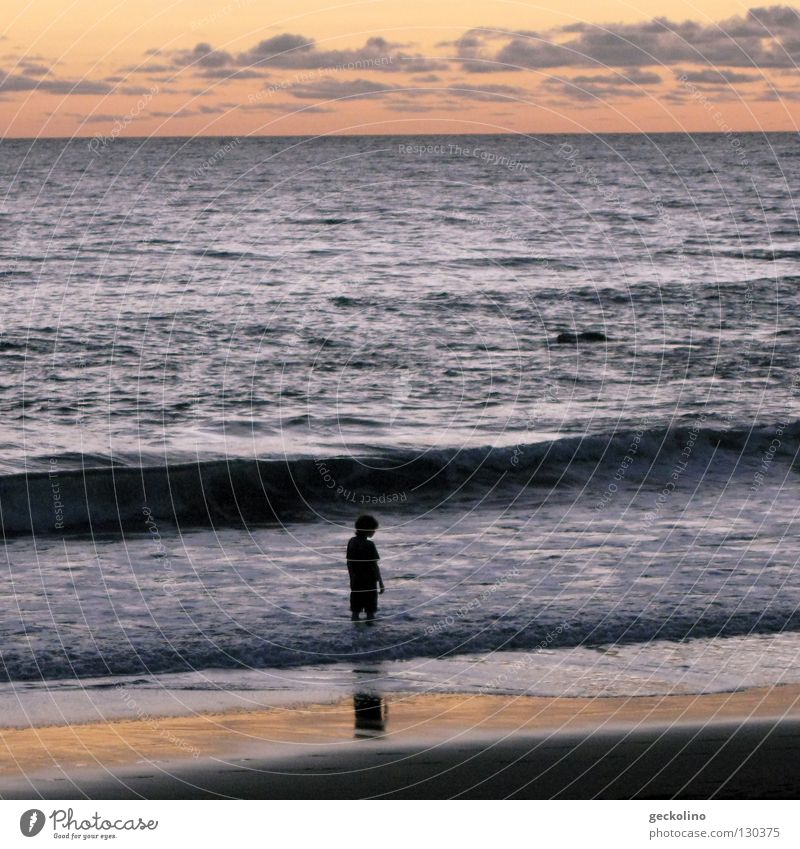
(362, 565)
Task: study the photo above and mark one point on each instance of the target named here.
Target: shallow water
(482, 577)
(657, 668)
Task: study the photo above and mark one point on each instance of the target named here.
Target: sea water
(215, 353)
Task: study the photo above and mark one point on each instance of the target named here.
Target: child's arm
(381, 587)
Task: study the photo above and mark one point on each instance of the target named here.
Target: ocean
(562, 371)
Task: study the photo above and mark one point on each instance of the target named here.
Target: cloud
(774, 16)
(33, 69)
(289, 51)
(766, 37)
(778, 94)
(569, 90)
(486, 92)
(22, 82)
(332, 89)
(204, 60)
(581, 62)
(135, 90)
(203, 56)
(287, 108)
(188, 112)
(299, 52)
(229, 74)
(453, 95)
(148, 68)
(413, 65)
(712, 76)
(405, 106)
(608, 86)
(632, 76)
(99, 118)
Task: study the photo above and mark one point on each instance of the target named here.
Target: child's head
(366, 525)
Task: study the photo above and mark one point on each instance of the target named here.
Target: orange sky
(244, 67)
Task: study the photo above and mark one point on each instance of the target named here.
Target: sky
(107, 69)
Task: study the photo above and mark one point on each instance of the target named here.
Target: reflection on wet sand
(370, 714)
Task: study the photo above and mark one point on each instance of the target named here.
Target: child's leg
(355, 604)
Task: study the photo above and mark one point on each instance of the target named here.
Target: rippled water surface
(569, 389)
(174, 299)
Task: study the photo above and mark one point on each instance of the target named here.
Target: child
(365, 574)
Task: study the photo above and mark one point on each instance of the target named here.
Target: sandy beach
(726, 745)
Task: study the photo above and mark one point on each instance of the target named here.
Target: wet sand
(730, 745)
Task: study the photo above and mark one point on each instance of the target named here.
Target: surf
(64, 499)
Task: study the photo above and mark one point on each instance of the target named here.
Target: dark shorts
(366, 600)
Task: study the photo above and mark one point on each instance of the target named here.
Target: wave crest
(216, 492)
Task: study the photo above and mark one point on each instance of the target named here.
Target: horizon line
(403, 135)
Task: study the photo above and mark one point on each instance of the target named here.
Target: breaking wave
(228, 491)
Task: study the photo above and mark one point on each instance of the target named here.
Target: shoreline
(427, 746)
